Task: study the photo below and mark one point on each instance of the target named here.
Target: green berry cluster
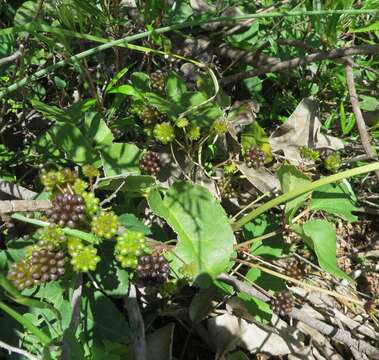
(91, 203)
(79, 187)
(308, 153)
(149, 115)
(51, 236)
(90, 171)
(220, 127)
(50, 179)
(129, 246)
(182, 122)
(105, 224)
(194, 133)
(333, 162)
(164, 132)
(83, 258)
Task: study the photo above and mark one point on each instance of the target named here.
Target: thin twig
(357, 111)
(295, 62)
(113, 195)
(12, 349)
(13, 57)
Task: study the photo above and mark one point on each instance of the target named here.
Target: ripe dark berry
(67, 210)
(289, 236)
(282, 304)
(295, 269)
(153, 269)
(157, 81)
(255, 157)
(150, 163)
(149, 115)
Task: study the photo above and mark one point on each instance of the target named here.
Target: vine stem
(42, 337)
(119, 42)
(302, 190)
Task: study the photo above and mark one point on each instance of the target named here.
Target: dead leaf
(261, 178)
(159, 343)
(303, 128)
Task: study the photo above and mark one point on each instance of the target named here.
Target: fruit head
(164, 132)
(90, 171)
(91, 203)
(282, 304)
(51, 235)
(69, 175)
(84, 259)
(79, 186)
(333, 162)
(153, 269)
(220, 127)
(129, 246)
(67, 210)
(105, 224)
(227, 189)
(149, 115)
(150, 164)
(255, 157)
(182, 122)
(50, 179)
(194, 133)
(157, 81)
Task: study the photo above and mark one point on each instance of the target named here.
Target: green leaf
(25, 13)
(163, 105)
(71, 140)
(175, 87)
(127, 90)
(131, 222)
(140, 81)
(290, 179)
(321, 237)
(205, 237)
(371, 27)
(116, 79)
(113, 279)
(97, 129)
(252, 135)
(258, 309)
(268, 282)
(336, 199)
(121, 159)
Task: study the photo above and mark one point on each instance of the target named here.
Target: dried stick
(12, 349)
(137, 326)
(16, 191)
(357, 111)
(13, 57)
(324, 328)
(295, 62)
(10, 206)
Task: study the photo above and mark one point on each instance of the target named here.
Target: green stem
(42, 337)
(71, 232)
(49, 69)
(302, 190)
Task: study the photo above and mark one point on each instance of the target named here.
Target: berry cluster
(51, 236)
(90, 171)
(153, 269)
(220, 127)
(255, 157)
(43, 266)
(309, 154)
(164, 132)
(282, 304)
(67, 210)
(50, 179)
(105, 224)
(79, 187)
(91, 203)
(157, 81)
(149, 115)
(333, 162)
(289, 236)
(83, 258)
(129, 246)
(227, 189)
(150, 163)
(294, 269)
(194, 133)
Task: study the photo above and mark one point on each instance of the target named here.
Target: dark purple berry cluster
(295, 269)
(282, 304)
(150, 163)
(67, 210)
(153, 269)
(157, 81)
(255, 157)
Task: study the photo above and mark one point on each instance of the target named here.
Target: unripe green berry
(182, 122)
(105, 224)
(84, 259)
(164, 132)
(333, 162)
(194, 133)
(79, 186)
(91, 203)
(51, 236)
(129, 246)
(90, 171)
(220, 127)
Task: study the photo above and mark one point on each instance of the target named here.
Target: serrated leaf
(321, 237)
(71, 140)
(290, 179)
(121, 159)
(336, 199)
(205, 237)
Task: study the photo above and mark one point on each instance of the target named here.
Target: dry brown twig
(10, 206)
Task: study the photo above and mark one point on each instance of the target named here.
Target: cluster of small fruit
(330, 159)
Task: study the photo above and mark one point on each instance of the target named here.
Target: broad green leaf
(25, 13)
(116, 79)
(321, 237)
(140, 81)
(121, 159)
(336, 199)
(132, 183)
(97, 129)
(205, 237)
(368, 103)
(113, 279)
(71, 140)
(127, 90)
(290, 179)
(258, 309)
(371, 27)
(51, 112)
(268, 282)
(252, 135)
(164, 105)
(175, 87)
(131, 222)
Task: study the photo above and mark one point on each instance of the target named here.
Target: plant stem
(42, 337)
(302, 190)
(71, 232)
(49, 69)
